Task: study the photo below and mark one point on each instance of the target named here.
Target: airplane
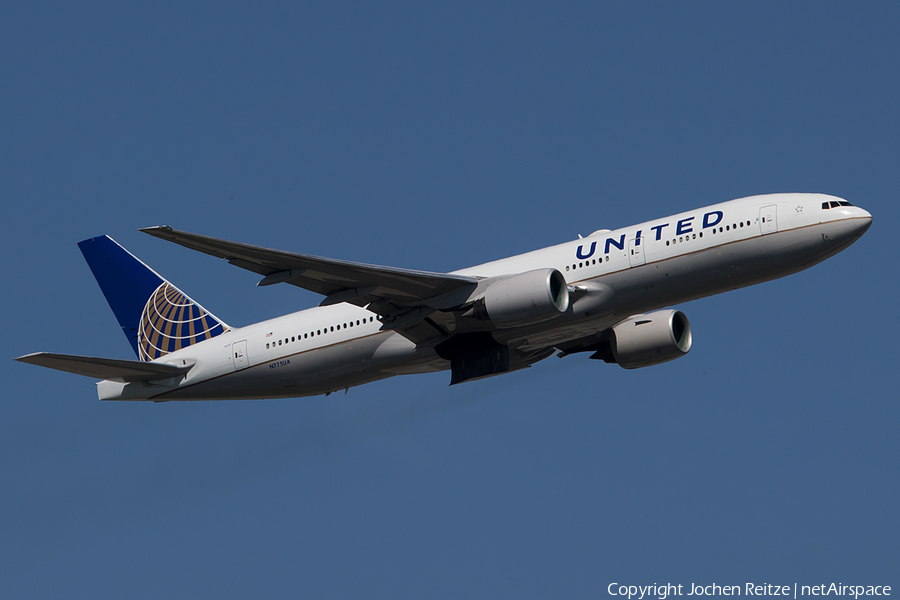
(605, 294)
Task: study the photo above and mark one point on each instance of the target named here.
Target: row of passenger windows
(688, 238)
(311, 334)
(587, 263)
(833, 204)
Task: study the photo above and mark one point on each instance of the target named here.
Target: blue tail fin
(157, 317)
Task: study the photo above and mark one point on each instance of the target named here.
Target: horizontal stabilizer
(105, 368)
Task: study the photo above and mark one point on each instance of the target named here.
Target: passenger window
(667, 242)
(267, 346)
(357, 321)
(726, 228)
(332, 327)
(304, 335)
(279, 342)
(318, 332)
(292, 338)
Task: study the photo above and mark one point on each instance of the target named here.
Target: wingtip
(26, 358)
(163, 232)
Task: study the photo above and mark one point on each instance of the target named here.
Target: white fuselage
(648, 266)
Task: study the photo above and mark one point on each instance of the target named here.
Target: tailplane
(157, 317)
(124, 371)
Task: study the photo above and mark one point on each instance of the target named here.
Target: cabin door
(767, 220)
(636, 252)
(239, 355)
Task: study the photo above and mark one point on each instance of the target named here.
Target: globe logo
(171, 321)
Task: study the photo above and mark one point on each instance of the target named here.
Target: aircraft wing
(104, 368)
(389, 291)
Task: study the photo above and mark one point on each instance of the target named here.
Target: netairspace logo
(663, 591)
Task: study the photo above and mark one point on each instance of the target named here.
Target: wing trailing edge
(387, 289)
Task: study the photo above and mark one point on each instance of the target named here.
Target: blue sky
(438, 136)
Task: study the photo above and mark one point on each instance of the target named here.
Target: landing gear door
(636, 252)
(767, 219)
(239, 355)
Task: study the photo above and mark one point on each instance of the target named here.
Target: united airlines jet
(605, 294)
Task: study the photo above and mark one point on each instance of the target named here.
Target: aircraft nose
(850, 225)
(863, 220)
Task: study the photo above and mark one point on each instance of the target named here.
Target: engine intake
(651, 339)
(524, 299)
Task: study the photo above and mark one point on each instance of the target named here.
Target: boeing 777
(605, 294)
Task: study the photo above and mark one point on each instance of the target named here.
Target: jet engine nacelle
(651, 339)
(524, 299)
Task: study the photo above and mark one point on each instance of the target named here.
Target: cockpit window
(833, 204)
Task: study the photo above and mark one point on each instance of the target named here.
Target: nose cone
(851, 223)
(862, 220)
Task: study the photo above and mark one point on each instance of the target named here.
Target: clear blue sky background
(437, 136)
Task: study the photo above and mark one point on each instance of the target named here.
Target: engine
(524, 299)
(651, 339)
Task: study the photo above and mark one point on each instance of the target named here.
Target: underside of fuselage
(323, 370)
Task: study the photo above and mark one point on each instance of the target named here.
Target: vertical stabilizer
(157, 317)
